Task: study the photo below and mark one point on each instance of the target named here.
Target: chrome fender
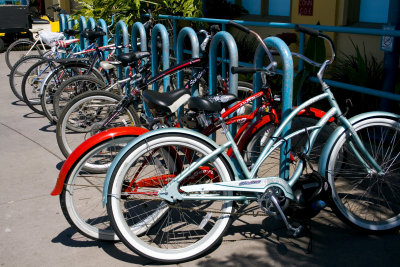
(323, 161)
(155, 133)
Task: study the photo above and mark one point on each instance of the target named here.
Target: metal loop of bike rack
(61, 22)
(91, 23)
(287, 90)
(194, 41)
(230, 45)
(82, 26)
(103, 41)
(138, 27)
(121, 29)
(160, 29)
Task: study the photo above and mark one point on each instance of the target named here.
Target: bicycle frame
(254, 184)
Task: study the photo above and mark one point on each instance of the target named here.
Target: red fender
(88, 144)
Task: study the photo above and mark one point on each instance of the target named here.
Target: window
(279, 8)
(367, 11)
(374, 11)
(253, 6)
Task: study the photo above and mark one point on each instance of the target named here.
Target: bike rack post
(231, 47)
(138, 27)
(287, 91)
(82, 26)
(194, 41)
(91, 23)
(104, 40)
(121, 29)
(61, 22)
(160, 29)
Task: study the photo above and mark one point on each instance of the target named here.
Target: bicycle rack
(121, 29)
(194, 41)
(104, 40)
(91, 23)
(287, 90)
(138, 28)
(82, 26)
(71, 24)
(230, 45)
(61, 23)
(160, 29)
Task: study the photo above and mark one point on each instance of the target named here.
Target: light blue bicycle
(170, 193)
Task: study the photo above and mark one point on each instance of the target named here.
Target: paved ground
(33, 231)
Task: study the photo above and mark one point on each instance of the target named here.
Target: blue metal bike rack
(160, 29)
(61, 22)
(91, 23)
(194, 41)
(104, 40)
(287, 90)
(138, 28)
(231, 47)
(82, 26)
(121, 31)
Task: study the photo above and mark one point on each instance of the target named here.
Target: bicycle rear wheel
(85, 115)
(19, 49)
(361, 198)
(189, 228)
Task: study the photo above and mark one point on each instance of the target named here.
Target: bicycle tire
(32, 83)
(72, 87)
(364, 200)
(70, 131)
(54, 80)
(12, 56)
(81, 196)
(17, 74)
(189, 229)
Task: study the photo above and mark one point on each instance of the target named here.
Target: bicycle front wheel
(82, 193)
(18, 71)
(187, 229)
(85, 116)
(361, 198)
(19, 49)
(32, 84)
(72, 87)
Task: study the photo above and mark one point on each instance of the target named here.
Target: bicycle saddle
(167, 102)
(211, 104)
(128, 58)
(71, 32)
(92, 35)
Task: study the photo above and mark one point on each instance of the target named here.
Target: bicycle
(84, 170)
(182, 204)
(25, 47)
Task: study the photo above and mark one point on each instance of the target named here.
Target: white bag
(50, 37)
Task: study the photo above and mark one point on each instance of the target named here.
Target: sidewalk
(34, 231)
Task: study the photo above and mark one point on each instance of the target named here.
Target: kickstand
(308, 230)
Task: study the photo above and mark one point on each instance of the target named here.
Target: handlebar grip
(235, 70)
(239, 26)
(310, 31)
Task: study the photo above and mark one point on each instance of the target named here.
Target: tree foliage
(130, 11)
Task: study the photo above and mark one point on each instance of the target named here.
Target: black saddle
(92, 35)
(165, 103)
(128, 58)
(211, 104)
(71, 32)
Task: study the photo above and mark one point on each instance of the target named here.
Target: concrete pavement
(34, 232)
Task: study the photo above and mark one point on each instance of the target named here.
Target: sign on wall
(306, 7)
(387, 41)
